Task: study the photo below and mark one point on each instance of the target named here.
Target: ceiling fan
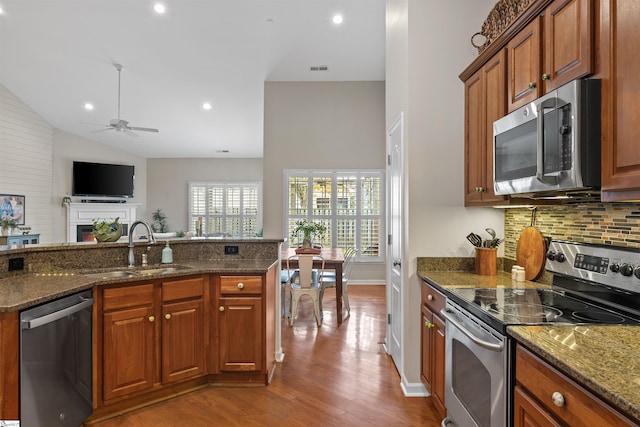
(119, 124)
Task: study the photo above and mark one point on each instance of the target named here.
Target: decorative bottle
(167, 254)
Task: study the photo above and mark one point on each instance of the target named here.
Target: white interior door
(394, 253)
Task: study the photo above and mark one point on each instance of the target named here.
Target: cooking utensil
(475, 240)
(491, 232)
(531, 250)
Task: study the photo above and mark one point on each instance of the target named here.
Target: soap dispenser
(167, 254)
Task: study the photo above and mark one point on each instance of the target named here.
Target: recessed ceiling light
(88, 106)
(206, 106)
(337, 19)
(159, 8)
(1, 11)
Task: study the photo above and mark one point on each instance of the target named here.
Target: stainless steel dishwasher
(56, 362)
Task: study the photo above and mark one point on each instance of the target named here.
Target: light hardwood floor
(331, 376)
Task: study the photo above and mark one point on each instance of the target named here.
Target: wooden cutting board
(531, 252)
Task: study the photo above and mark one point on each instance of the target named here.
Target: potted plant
(159, 224)
(7, 224)
(309, 230)
(107, 231)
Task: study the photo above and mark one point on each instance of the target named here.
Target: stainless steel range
(591, 285)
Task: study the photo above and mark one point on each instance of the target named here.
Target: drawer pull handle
(152, 319)
(240, 285)
(558, 399)
(430, 297)
(221, 308)
(167, 316)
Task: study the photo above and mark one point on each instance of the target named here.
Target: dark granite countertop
(26, 290)
(604, 359)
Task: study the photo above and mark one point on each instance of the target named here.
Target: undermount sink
(133, 273)
(113, 274)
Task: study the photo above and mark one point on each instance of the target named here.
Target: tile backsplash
(616, 224)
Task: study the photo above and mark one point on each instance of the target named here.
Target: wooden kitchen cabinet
(245, 321)
(183, 329)
(433, 341)
(553, 49)
(544, 396)
(484, 104)
(620, 103)
(148, 327)
(9, 365)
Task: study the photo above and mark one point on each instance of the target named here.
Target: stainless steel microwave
(550, 146)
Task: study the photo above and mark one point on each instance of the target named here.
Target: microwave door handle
(549, 180)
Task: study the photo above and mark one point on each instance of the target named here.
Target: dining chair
(329, 278)
(305, 282)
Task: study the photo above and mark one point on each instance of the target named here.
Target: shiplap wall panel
(26, 162)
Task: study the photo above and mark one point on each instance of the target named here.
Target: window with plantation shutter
(348, 203)
(226, 209)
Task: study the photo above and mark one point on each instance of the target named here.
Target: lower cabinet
(433, 340)
(137, 320)
(244, 316)
(544, 396)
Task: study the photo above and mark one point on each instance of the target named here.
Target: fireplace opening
(83, 232)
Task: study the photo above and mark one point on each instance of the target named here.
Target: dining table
(333, 260)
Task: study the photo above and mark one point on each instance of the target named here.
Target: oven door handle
(549, 180)
(487, 345)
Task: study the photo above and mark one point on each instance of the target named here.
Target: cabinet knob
(558, 399)
(429, 324)
(546, 76)
(167, 316)
(532, 85)
(152, 319)
(221, 308)
(240, 285)
(430, 297)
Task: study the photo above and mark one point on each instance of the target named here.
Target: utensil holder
(487, 261)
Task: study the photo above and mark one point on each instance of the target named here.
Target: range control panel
(612, 266)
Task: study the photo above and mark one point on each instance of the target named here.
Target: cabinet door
(473, 138)
(426, 356)
(241, 343)
(523, 72)
(568, 42)
(183, 353)
(439, 355)
(620, 104)
(9, 365)
(527, 412)
(128, 361)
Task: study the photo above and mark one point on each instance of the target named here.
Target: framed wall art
(12, 207)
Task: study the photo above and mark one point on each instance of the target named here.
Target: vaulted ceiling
(58, 55)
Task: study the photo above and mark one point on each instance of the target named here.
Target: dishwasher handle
(484, 344)
(57, 315)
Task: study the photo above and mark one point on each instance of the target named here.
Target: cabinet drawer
(432, 298)
(580, 408)
(235, 285)
(127, 296)
(182, 289)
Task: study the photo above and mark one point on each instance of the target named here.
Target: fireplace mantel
(86, 213)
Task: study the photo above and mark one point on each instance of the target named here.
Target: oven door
(476, 374)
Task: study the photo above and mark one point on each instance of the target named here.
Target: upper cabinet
(484, 103)
(621, 107)
(553, 49)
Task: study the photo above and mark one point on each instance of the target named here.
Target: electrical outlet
(16, 264)
(231, 250)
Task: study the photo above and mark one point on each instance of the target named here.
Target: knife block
(487, 261)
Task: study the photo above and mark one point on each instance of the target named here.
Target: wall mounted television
(102, 180)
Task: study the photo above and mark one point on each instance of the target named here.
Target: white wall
(26, 145)
(168, 182)
(68, 147)
(428, 45)
(323, 125)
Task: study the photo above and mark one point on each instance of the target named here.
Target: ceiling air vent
(319, 68)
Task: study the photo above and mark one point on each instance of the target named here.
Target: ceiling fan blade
(143, 129)
(128, 132)
(107, 127)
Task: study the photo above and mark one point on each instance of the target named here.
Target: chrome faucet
(152, 239)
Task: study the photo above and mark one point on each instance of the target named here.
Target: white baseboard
(413, 389)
